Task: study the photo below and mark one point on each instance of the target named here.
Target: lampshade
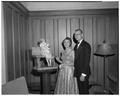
(104, 49)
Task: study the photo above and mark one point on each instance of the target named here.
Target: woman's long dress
(66, 82)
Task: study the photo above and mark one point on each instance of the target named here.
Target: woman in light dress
(66, 82)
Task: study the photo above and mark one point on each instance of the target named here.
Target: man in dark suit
(81, 63)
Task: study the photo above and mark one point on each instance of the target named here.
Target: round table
(45, 77)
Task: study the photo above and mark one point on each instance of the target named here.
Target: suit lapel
(78, 50)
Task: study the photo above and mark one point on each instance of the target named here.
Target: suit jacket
(82, 59)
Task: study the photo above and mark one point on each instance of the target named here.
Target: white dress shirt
(79, 43)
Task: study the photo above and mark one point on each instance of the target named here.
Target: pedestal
(45, 82)
(45, 78)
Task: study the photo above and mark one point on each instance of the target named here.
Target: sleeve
(83, 74)
(87, 53)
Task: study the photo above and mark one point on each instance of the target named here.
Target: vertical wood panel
(27, 47)
(107, 28)
(24, 46)
(117, 29)
(16, 45)
(101, 29)
(56, 41)
(32, 33)
(88, 29)
(5, 77)
(30, 37)
(9, 43)
(68, 27)
(113, 33)
(19, 37)
(20, 40)
(25, 53)
(42, 30)
(49, 35)
(74, 26)
(5, 40)
(3, 30)
(21, 45)
(81, 23)
(36, 32)
(62, 32)
(94, 41)
(13, 31)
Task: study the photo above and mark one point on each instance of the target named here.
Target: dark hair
(67, 38)
(38, 43)
(79, 30)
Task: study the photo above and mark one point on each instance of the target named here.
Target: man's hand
(82, 78)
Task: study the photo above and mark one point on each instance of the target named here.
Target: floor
(35, 89)
(38, 92)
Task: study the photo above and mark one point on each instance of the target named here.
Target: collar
(79, 43)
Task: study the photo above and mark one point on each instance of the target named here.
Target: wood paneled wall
(54, 26)
(15, 26)
(98, 25)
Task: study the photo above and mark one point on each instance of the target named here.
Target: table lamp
(104, 50)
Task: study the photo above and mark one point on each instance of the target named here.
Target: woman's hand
(58, 59)
(61, 66)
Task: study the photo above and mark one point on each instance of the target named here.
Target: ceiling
(47, 6)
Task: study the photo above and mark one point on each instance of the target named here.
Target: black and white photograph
(60, 47)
